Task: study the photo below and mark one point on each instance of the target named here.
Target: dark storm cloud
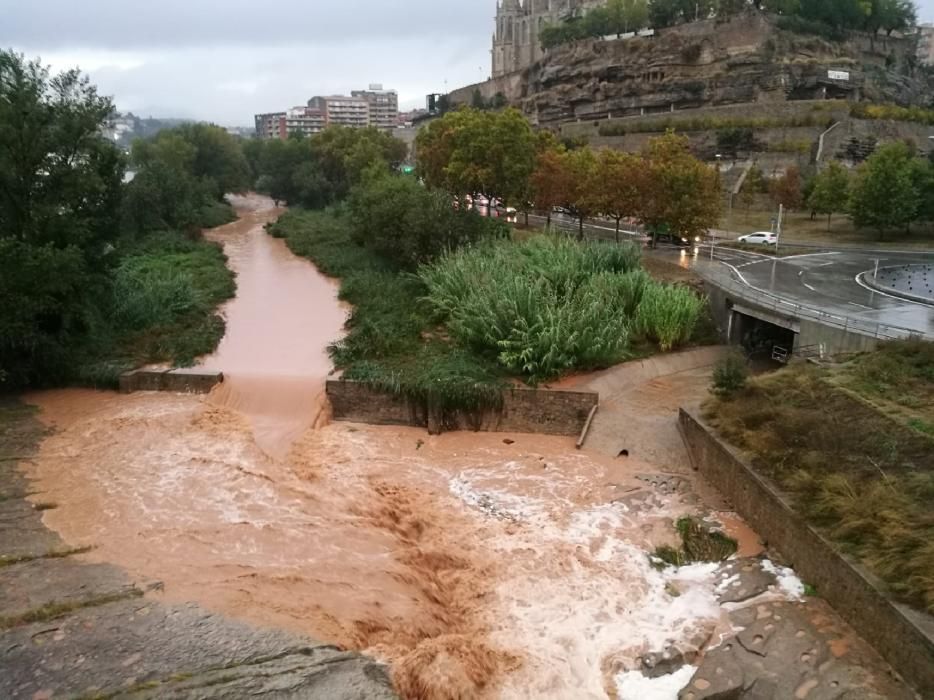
(123, 24)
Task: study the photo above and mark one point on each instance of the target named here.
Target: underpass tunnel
(762, 340)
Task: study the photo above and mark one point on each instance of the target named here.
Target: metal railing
(723, 278)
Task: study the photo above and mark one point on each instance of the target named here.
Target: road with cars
(826, 280)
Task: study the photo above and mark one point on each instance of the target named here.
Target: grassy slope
(864, 476)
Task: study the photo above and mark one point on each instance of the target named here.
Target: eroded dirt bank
(479, 566)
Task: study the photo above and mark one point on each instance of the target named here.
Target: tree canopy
(59, 211)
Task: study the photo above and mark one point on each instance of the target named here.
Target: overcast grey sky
(226, 60)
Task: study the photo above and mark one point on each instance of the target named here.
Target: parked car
(759, 238)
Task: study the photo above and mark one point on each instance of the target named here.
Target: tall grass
(544, 307)
(668, 314)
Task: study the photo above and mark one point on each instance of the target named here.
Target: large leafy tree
(831, 191)
(679, 193)
(60, 184)
(883, 195)
(470, 151)
(583, 196)
(551, 182)
(618, 185)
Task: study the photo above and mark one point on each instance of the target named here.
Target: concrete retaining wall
(524, 411)
(184, 381)
(904, 637)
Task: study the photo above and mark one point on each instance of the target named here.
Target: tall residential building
(518, 24)
(342, 110)
(305, 121)
(926, 44)
(271, 126)
(383, 106)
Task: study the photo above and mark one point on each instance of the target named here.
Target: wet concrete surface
(825, 281)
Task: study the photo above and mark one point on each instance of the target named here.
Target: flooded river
(476, 568)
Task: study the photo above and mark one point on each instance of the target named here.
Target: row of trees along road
(891, 191)
(498, 155)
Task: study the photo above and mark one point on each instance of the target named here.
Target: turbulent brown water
(477, 568)
(274, 354)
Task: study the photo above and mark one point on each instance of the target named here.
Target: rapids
(476, 568)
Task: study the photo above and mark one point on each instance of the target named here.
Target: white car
(760, 238)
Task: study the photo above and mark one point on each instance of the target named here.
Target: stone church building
(515, 43)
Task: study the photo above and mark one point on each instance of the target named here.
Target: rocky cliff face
(711, 63)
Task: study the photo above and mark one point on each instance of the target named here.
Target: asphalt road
(824, 280)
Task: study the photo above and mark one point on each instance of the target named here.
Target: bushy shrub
(730, 374)
(712, 123)
(405, 222)
(147, 293)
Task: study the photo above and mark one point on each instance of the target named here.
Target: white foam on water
(632, 685)
(788, 582)
(579, 599)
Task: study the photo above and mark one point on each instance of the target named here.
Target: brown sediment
(279, 326)
(748, 541)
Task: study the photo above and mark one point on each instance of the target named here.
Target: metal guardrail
(724, 279)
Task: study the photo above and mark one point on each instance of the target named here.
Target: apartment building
(305, 121)
(383, 105)
(373, 107)
(342, 110)
(273, 125)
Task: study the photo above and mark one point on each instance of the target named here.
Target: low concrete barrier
(902, 635)
(183, 381)
(523, 411)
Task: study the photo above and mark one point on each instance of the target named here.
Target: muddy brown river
(475, 568)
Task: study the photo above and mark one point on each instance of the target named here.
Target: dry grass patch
(865, 479)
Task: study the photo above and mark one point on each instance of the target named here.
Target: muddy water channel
(476, 568)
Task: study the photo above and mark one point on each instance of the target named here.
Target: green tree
(471, 151)
(664, 13)
(551, 182)
(618, 185)
(581, 168)
(60, 186)
(883, 195)
(627, 15)
(923, 178)
(679, 192)
(409, 224)
(830, 192)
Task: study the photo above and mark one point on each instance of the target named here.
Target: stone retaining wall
(184, 381)
(903, 636)
(523, 411)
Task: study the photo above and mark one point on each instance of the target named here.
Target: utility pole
(778, 227)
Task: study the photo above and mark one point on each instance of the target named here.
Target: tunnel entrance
(764, 341)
